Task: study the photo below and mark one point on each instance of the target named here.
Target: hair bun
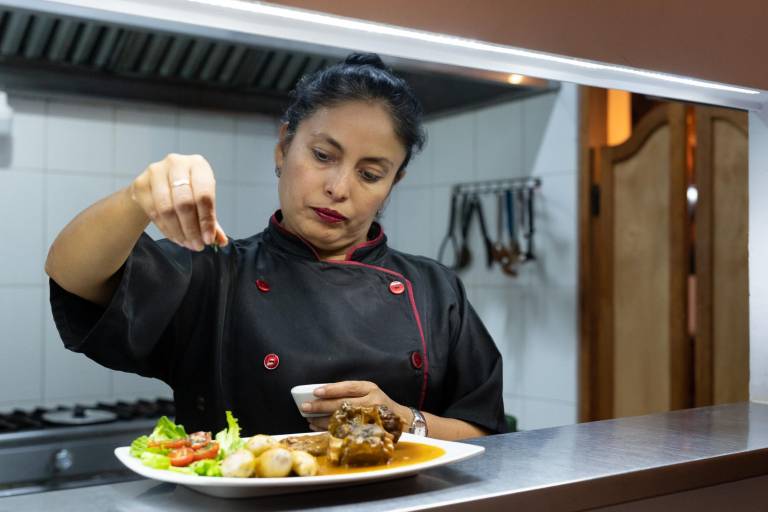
(365, 59)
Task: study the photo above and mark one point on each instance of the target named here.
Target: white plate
(250, 487)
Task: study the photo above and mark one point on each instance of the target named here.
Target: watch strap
(419, 424)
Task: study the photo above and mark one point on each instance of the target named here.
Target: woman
(318, 296)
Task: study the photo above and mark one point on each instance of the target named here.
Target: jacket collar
(370, 250)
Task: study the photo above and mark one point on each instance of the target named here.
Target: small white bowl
(303, 394)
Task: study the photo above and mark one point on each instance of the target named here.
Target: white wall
(66, 154)
(533, 318)
(758, 255)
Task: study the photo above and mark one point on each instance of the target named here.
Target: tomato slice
(208, 451)
(171, 444)
(199, 439)
(182, 456)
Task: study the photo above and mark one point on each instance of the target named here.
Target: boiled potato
(304, 464)
(275, 462)
(240, 464)
(260, 443)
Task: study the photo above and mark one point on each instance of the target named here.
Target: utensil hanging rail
(495, 186)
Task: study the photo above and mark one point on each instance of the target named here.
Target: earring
(277, 171)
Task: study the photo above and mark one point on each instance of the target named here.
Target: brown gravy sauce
(406, 453)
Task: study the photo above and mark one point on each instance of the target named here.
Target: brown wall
(721, 40)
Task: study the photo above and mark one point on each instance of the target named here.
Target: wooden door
(721, 364)
(663, 283)
(641, 237)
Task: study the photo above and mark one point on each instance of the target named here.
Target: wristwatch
(419, 424)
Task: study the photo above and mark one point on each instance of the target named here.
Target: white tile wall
(549, 348)
(213, 136)
(255, 205)
(28, 134)
(411, 207)
(255, 141)
(80, 137)
(21, 205)
(67, 195)
(532, 317)
(555, 225)
(454, 158)
(499, 141)
(62, 157)
(21, 364)
(543, 414)
(142, 137)
(226, 208)
(550, 137)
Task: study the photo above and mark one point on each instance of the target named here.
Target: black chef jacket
(238, 327)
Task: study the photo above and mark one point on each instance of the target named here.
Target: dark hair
(361, 76)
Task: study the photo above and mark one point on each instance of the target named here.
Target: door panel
(641, 285)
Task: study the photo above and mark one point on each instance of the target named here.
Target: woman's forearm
(440, 427)
(90, 250)
(450, 428)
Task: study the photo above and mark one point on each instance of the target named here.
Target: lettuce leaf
(139, 446)
(229, 439)
(206, 467)
(155, 460)
(166, 430)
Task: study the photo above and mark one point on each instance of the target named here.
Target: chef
(317, 297)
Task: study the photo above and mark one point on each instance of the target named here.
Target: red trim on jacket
(411, 297)
(375, 241)
(415, 310)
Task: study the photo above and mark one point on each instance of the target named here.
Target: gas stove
(62, 447)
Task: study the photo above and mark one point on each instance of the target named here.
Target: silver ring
(179, 183)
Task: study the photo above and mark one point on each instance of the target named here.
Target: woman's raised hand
(178, 194)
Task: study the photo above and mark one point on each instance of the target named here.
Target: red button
(271, 361)
(262, 285)
(416, 360)
(396, 287)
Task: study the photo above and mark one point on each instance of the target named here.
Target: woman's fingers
(220, 237)
(330, 405)
(161, 211)
(347, 388)
(178, 194)
(204, 189)
(184, 202)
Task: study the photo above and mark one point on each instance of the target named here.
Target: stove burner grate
(20, 420)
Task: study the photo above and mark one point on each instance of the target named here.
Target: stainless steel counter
(574, 467)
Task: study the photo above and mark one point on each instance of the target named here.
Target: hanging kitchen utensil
(478, 206)
(465, 255)
(529, 232)
(514, 245)
(500, 251)
(520, 226)
(450, 236)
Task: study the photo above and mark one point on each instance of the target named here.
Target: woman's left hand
(356, 392)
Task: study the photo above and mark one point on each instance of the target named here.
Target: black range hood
(57, 52)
